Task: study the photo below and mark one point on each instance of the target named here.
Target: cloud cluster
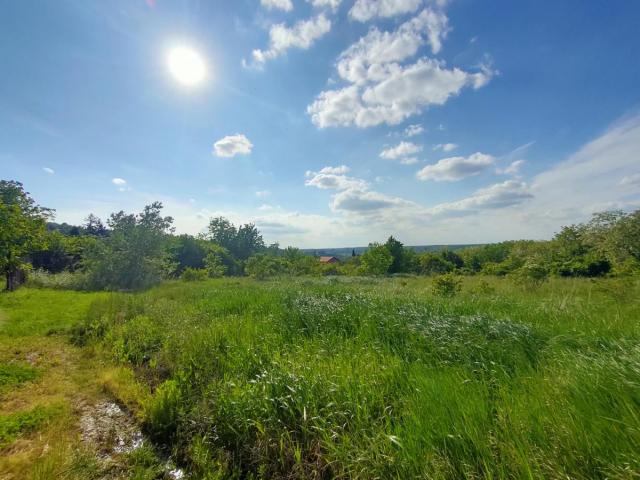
(285, 5)
(413, 130)
(453, 169)
(402, 152)
(446, 147)
(332, 4)
(381, 88)
(499, 195)
(365, 10)
(232, 145)
(301, 35)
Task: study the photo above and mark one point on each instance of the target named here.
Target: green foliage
(265, 266)
(133, 256)
(215, 262)
(136, 340)
(162, 412)
(376, 260)
(13, 374)
(194, 274)
(242, 242)
(434, 264)
(305, 379)
(447, 285)
(22, 229)
(15, 425)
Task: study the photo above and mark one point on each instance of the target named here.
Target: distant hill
(346, 251)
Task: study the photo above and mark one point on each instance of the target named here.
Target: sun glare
(186, 65)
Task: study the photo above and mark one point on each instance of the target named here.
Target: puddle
(110, 429)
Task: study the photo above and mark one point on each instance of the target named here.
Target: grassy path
(53, 393)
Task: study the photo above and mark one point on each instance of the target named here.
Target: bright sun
(186, 66)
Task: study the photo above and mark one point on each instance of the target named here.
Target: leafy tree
(263, 266)
(133, 256)
(186, 251)
(93, 226)
(434, 264)
(22, 229)
(397, 251)
(376, 260)
(453, 258)
(241, 242)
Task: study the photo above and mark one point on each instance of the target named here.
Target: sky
(327, 123)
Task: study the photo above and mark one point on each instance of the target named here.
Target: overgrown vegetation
(385, 379)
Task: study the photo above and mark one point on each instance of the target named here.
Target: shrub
(447, 285)
(163, 412)
(194, 274)
(60, 281)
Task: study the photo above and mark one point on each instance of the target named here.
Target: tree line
(135, 251)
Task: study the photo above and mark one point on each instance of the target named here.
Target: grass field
(346, 378)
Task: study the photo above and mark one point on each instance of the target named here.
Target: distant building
(329, 260)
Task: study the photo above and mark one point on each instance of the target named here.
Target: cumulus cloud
(332, 4)
(389, 92)
(381, 87)
(400, 151)
(445, 147)
(302, 35)
(285, 5)
(365, 10)
(500, 195)
(363, 201)
(119, 181)
(232, 145)
(334, 178)
(48, 170)
(413, 130)
(456, 168)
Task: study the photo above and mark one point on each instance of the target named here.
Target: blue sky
(327, 122)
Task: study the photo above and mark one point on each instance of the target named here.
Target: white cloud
(365, 10)
(263, 193)
(403, 149)
(285, 5)
(512, 169)
(340, 170)
(413, 130)
(48, 170)
(334, 178)
(121, 183)
(446, 147)
(380, 88)
(362, 201)
(332, 4)
(456, 168)
(232, 145)
(282, 38)
(500, 195)
(401, 92)
(265, 207)
(630, 180)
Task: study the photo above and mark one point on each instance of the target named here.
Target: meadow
(355, 377)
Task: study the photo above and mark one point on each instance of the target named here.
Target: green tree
(397, 251)
(376, 260)
(134, 255)
(22, 229)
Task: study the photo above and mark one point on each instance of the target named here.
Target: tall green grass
(368, 378)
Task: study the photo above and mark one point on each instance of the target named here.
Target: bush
(163, 412)
(447, 285)
(59, 281)
(194, 274)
